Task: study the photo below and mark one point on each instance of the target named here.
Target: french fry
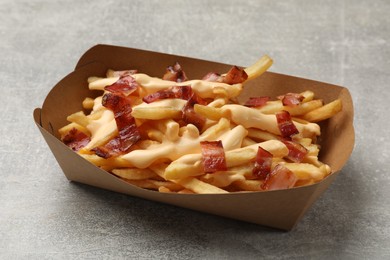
(223, 178)
(304, 171)
(307, 96)
(325, 112)
(275, 106)
(200, 187)
(301, 183)
(88, 103)
(156, 113)
(209, 112)
(79, 118)
(155, 185)
(92, 79)
(261, 135)
(105, 133)
(259, 67)
(65, 129)
(99, 84)
(248, 185)
(112, 163)
(134, 173)
(155, 135)
(186, 191)
(247, 142)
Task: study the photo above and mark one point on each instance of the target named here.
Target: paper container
(279, 209)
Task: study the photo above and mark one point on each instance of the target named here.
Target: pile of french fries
(168, 157)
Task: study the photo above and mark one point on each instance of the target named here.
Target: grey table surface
(42, 215)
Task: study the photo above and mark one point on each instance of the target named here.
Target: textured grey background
(42, 215)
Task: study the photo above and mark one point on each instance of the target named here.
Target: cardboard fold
(279, 209)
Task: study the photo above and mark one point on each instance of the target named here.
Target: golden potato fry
(199, 187)
(300, 183)
(155, 185)
(100, 83)
(304, 171)
(134, 173)
(248, 185)
(273, 107)
(307, 96)
(65, 129)
(88, 103)
(222, 179)
(247, 142)
(261, 135)
(209, 112)
(106, 130)
(259, 67)
(156, 113)
(186, 191)
(115, 162)
(164, 189)
(325, 112)
(79, 118)
(92, 79)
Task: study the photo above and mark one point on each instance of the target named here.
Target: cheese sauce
(205, 89)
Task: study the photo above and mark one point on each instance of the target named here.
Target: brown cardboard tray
(280, 209)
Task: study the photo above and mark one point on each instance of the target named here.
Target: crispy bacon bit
(190, 117)
(213, 156)
(213, 77)
(262, 167)
(175, 73)
(256, 101)
(111, 149)
(124, 85)
(280, 178)
(285, 124)
(296, 151)
(188, 112)
(76, 139)
(128, 131)
(182, 92)
(121, 73)
(291, 99)
(235, 75)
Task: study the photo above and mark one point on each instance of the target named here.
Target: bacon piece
(120, 73)
(213, 77)
(256, 101)
(182, 92)
(280, 178)
(128, 131)
(235, 75)
(262, 167)
(76, 139)
(111, 149)
(291, 99)
(213, 156)
(296, 151)
(285, 124)
(191, 117)
(124, 85)
(175, 73)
